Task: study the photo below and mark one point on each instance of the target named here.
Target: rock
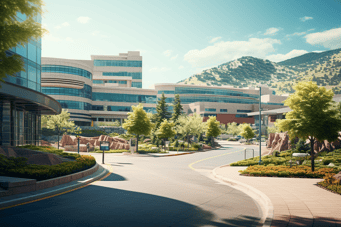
(338, 177)
(271, 138)
(280, 142)
(147, 140)
(204, 146)
(44, 159)
(45, 143)
(331, 164)
(82, 148)
(67, 140)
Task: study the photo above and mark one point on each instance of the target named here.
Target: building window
(210, 109)
(242, 116)
(223, 110)
(66, 70)
(244, 111)
(136, 84)
(118, 63)
(136, 76)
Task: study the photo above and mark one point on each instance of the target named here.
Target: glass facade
(137, 75)
(18, 126)
(210, 110)
(189, 99)
(118, 63)
(223, 110)
(136, 84)
(76, 105)
(66, 70)
(120, 108)
(109, 81)
(244, 111)
(165, 92)
(85, 92)
(114, 97)
(212, 91)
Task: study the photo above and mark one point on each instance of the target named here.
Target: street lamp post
(260, 126)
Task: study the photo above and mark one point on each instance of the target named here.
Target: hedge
(44, 172)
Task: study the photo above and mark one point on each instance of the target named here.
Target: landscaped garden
(18, 167)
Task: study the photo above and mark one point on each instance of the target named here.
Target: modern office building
(21, 100)
(104, 88)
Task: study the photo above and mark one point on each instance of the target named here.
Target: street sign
(104, 146)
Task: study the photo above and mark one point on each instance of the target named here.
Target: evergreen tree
(177, 108)
(162, 111)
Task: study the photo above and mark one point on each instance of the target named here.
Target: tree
(162, 111)
(177, 108)
(166, 130)
(190, 125)
(59, 123)
(273, 129)
(213, 128)
(247, 132)
(233, 129)
(138, 123)
(314, 115)
(14, 32)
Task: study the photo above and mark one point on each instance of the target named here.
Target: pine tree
(162, 111)
(177, 108)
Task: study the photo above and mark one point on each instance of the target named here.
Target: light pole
(260, 126)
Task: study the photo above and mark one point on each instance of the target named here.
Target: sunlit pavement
(145, 190)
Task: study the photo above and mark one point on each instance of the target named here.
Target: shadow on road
(301, 221)
(114, 177)
(105, 206)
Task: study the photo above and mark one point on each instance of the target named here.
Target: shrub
(93, 133)
(44, 172)
(301, 146)
(176, 143)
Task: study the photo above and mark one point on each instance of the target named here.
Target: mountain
(324, 68)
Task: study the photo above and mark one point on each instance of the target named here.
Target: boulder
(338, 177)
(82, 148)
(67, 140)
(44, 159)
(204, 146)
(45, 143)
(271, 138)
(280, 142)
(147, 140)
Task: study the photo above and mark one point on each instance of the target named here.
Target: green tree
(15, 32)
(161, 111)
(166, 130)
(60, 123)
(247, 132)
(213, 128)
(190, 125)
(273, 129)
(233, 129)
(177, 108)
(314, 115)
(138, 123)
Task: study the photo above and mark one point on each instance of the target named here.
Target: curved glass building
(21, 100)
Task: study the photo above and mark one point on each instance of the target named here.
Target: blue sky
(178, 38)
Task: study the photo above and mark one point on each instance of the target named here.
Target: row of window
(136, 84)
(212, 91)
(23, 82)
(109, 81)
(114, 97)
(120, 108)
(76, 105)
(165, 92)
(67, 70)
(135, 75)
(242, 115)
(29, 51)
(210, 110)
(189, 99)
(244, 111)
(118, 63)
(85, 92)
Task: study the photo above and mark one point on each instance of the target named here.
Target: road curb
(168, 155)
(52, 192)
(263, 201)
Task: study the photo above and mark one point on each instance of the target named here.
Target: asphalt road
(144, 190)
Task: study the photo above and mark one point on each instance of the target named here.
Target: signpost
(104, 146)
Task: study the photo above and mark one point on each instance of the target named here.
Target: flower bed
(44, 172)
(331, 183)
(286, 171)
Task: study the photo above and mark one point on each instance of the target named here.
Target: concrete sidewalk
(294, 201)
(18, 199)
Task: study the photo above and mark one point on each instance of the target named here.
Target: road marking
(71, 190)
(191, 165)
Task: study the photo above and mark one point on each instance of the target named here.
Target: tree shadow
(96, 205)
(286, 220)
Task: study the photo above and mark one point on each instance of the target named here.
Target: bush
(331, 183)
(286, 171)
(301, 147)
(44, 172)
(92, 133)
(176, 143)
(52, 150)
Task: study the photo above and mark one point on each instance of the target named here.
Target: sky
(180, 38)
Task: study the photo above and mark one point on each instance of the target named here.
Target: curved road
(144, 190)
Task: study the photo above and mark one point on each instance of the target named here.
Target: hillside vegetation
(324, 68)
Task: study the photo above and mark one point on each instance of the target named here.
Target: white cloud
(230, 50)
(272, 31)
(174, 57)
(181, 67)
(215, 39)
(167, 53)
(65, 24)
(155, 69)
(305, 18)
(282, 57)
(83, 20)
(329, 39)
